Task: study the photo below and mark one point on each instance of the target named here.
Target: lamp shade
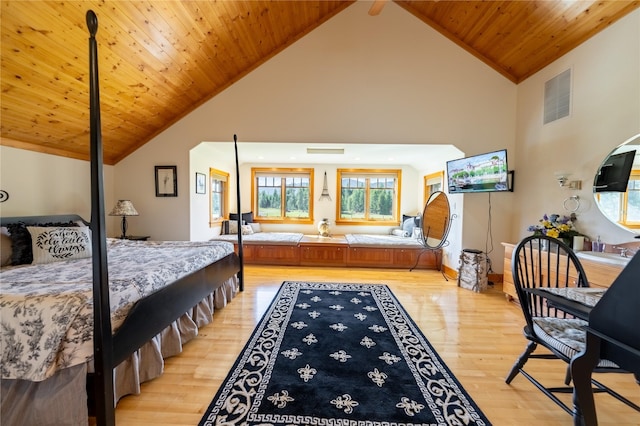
(124, 208)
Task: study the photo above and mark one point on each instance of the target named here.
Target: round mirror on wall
(436, 220)
(616, 186)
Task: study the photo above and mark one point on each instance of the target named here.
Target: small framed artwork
(166, 181)
(201, 183)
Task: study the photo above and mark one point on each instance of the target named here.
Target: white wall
(203, 157)
(43, 184)
(606, 112)
(355, 79)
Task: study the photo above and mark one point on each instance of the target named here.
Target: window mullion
(367, 198)
(283, 198)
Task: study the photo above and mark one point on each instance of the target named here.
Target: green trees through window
(369, 195)
(283, 193)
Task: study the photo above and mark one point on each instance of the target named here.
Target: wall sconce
(564, 182)
(124, 208)
(562, 178)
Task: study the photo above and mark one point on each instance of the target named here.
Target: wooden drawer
(327, 255)
(271, 254)
(600, 274)
(508, 288)
(373, 257)
(407, 258)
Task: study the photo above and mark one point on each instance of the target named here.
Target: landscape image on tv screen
(479, 173)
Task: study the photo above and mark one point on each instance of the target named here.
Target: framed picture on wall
(201, 183)
(166, 181)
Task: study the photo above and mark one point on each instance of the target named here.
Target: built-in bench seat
(351, 250)
(270, 238)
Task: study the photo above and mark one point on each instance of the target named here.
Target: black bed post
(102, 339)
(240, 254)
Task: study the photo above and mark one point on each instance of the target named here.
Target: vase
(323, 227)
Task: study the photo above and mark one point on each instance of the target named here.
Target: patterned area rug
(340, 354)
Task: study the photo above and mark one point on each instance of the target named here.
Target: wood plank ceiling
(159, 60)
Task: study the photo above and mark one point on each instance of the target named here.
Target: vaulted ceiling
(159, 60)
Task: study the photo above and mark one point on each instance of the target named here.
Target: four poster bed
(160, 294)
(89, 318)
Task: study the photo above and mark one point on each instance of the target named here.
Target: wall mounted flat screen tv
(479, 173)
(614, 173)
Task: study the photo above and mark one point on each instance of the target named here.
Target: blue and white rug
(340, 354)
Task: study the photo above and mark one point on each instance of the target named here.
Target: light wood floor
(479, 336)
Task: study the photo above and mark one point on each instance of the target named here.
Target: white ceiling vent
(557, 97)
(325, 150)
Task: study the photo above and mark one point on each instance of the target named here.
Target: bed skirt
(61, 399)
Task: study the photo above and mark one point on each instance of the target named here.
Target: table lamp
(124, 208)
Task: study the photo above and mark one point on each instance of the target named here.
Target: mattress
(47, 309)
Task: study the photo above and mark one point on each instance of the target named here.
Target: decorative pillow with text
(58, 244)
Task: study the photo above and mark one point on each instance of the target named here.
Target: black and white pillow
(229, 227)
(21, 246)
(55, 244)
(246, 217)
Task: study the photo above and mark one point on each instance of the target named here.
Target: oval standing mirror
(436, 220)
(619, 205)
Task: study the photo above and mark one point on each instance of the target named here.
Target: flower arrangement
(556, 226)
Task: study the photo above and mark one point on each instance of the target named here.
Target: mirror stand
(435, 225)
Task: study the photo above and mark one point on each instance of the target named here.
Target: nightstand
(137, 237)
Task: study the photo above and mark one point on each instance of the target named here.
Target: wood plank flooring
(479, 336)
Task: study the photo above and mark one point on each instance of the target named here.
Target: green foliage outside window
(272, 204)
(368, 198)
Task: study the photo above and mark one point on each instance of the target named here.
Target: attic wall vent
(557, 97)
(325, 150)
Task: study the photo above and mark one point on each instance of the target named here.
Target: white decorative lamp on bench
(124, 208)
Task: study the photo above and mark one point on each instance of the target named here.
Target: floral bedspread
(46, 321)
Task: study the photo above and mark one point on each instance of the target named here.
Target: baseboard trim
(453, 274)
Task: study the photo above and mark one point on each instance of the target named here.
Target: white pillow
(399, 233)
(255, 227)
(247, 230)
(408, 226)
(51, 244)
(233, 227)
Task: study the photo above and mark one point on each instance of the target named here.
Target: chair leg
(567, 376)
(521, 361)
